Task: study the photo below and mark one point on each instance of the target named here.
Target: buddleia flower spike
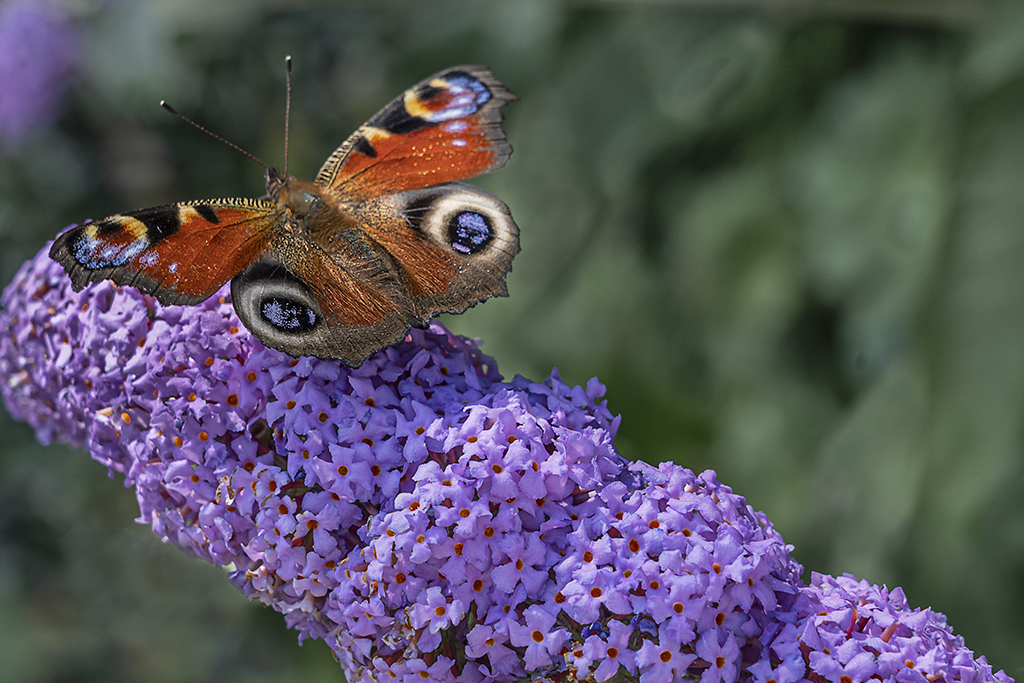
(431, 521)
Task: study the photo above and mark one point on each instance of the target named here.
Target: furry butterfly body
(383, 240)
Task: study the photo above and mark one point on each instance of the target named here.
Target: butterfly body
(382, 241)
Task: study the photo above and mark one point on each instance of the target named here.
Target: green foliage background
(788, 236)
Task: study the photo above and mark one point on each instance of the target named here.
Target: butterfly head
(295, 199)
(280, 186)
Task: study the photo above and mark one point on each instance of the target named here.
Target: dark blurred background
(788, 235)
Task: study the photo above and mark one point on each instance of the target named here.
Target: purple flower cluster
(432, 522)
(39, 52)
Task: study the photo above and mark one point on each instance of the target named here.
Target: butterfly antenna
(213, 135)
(287, 105)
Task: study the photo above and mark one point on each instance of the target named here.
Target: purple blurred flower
(39, 52)
(430, 521)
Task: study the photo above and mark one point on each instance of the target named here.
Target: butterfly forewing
(180, 253)
(445, 128)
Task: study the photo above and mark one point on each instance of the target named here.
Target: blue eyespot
(287, 315)
(95, 253)
(469, 232)
(468, 95)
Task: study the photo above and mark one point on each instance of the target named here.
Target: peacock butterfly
(383, 240)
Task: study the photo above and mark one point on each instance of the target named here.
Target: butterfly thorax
(304, 207)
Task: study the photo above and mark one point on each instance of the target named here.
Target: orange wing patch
(180, 253)
(445, 128)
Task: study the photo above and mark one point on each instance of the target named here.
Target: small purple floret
(430, 521)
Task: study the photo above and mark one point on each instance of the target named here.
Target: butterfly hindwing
(180, 253)
(446, 127)
(452, 244)
(304, 300)
(400, 261)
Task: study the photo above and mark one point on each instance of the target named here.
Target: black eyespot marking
(207, 213)
(396, 119)
(469, 232)
(160, 221)
(108, 227)
(430, 92)
(363, 146)
(288, 315)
